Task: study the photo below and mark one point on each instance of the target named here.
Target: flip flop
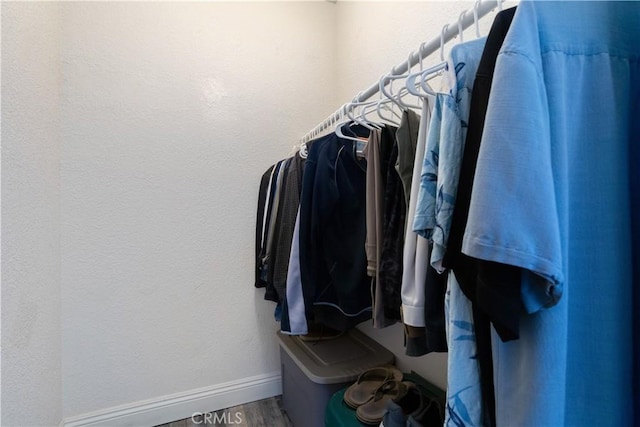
(368, 382)
(373, 411)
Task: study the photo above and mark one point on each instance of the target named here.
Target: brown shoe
(372, 412)
(368, 383)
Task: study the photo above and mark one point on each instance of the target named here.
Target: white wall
(134, 136)
(170, 114)
(372, 38)
(31, 346)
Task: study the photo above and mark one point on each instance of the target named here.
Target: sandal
(368, 383)
(373, 411)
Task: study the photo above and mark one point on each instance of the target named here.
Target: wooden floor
(262, 413)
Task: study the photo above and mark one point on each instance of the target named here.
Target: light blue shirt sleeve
(425, 216)
(513, 217)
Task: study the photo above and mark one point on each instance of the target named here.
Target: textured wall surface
(31, 377)
(170, 114)
(134, 136)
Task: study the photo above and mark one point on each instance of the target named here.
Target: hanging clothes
(261, 225)
(287, 212)
(422, 315)
(407, 138)
(333, 262)
(388, 152)
(274, 230)
(436, 199)
(634, 191)
(377, 154)
(294, 318)
(551, 197)
(268, 230)
(394, 213)
(463, 267)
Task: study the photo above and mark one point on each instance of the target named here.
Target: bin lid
(337, 360)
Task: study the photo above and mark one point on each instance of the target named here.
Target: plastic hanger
(404, 89)
(395, 98)
(360, 119)
(419, 79)
(364, 112)
(475, 18)
(437, 69)
(361, 116)
(382, 105)
(411, 84)
(348, 108)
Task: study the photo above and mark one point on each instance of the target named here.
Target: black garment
(333, 263)
(464, 267)
(390, 268)
(266, 274)
(435, 323)
(483, 282)
(634, 194)
(287, 212)
(274, 237)
(385, 167)
(433, 337)
(407, 137)
(415, 341)
(262, 199)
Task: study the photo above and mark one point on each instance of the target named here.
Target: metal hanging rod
(449, 32)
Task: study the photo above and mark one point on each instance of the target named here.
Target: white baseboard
(182, 405)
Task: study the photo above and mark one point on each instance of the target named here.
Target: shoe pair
(413, 409)
(373, 411)
(368, 383)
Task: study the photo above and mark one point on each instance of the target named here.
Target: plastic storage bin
(312, 371)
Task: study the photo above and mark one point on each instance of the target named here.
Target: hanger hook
(445, 28)
(420, 58)
(475, 18)
(355, 103)
(381, 84)
(347, 110)
(460, 26)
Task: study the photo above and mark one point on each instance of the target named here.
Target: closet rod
(450, 31)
